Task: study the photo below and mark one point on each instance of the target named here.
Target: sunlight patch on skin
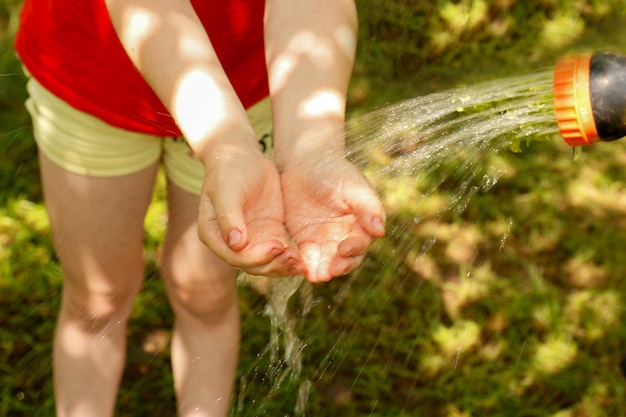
(189, 46)
(139, 24)
(346, 39)
(67, 341)
(199, 104)
(321, 103)
(283, 67)
(304, 45)
(312, 254)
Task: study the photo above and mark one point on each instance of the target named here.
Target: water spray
(590, 97)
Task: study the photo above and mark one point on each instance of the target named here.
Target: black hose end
(607, 80)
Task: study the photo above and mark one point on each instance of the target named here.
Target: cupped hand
(241, 215)
(332, 214)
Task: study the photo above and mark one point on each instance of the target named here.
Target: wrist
(223, 149)
(309, 146)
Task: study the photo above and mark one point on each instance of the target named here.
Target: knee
(208, 303)
(94, 311)
(201, 287)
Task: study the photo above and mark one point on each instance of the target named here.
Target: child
(115, 85)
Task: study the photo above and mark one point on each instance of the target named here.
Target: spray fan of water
(437, 143)
(421, 133)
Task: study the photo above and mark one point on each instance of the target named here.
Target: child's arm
(330, 210)
(241, 209)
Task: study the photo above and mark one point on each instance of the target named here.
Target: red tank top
(71, 48)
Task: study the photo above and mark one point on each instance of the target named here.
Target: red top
(71, 48)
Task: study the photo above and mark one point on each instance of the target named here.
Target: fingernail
(378, 225)
(275, 251)
(234, 236)
(292, 261)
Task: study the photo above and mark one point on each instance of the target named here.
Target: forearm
(169, 46)
(310, 48)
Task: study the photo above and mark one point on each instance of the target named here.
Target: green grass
(512, 307)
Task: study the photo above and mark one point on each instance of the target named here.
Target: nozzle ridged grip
(572, 100)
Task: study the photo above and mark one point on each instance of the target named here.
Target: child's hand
(241, 214)
(332, 214)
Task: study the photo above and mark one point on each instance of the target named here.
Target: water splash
(283, 323)
(434, 143)
(285, 346)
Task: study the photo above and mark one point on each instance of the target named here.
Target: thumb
(367, 207)
(230, 217)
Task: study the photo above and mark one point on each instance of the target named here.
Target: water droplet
(506, 234)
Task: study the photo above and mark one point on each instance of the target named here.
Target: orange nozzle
(572, 100)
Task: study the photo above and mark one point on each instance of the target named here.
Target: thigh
(97, 226)
(97, 182)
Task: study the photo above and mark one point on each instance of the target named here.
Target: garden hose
(590, 97)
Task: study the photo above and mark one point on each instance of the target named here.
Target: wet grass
(511, 307)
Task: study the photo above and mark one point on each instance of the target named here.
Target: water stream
(433, 143)
(420, 134)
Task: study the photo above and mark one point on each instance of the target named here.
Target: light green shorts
(85, 145)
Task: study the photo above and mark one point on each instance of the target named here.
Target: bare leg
(203, 294)
(97, 224)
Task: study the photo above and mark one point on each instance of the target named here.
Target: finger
(344, 265)
(350, 253)
(270, 258)
(326, 261)
(369, 210)
(316, 265)
(208, 229)
(228, 208)
(288, 264)
(354, 245)
(323, 263)
(210, 233)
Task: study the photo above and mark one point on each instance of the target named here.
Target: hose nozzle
(590, 97)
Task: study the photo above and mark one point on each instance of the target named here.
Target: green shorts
(85, 145)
